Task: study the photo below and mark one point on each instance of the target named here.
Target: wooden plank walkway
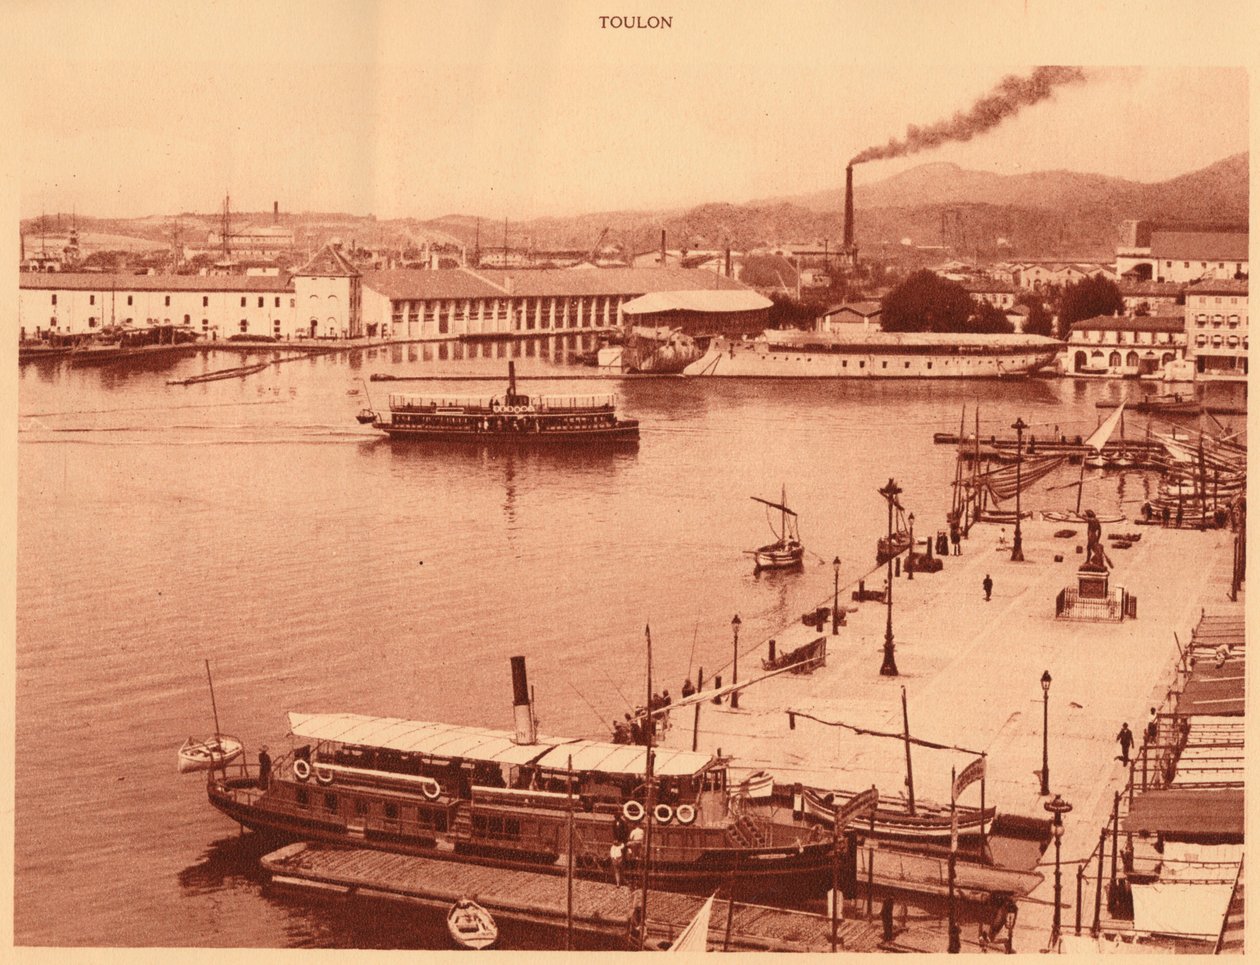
(540, 899)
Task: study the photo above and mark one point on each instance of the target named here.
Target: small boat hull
(932, 825)
(471, 926)
(207, 753)
(778, 556)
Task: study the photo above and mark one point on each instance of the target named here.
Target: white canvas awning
(610, 758)
(451, 741)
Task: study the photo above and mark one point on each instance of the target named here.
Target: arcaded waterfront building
(1124, 345)
(462, 301)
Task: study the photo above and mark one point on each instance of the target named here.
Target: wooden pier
(535, 898)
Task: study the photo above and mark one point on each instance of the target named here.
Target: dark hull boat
(512, 419)
(930, 824)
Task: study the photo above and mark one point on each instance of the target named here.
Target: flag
(970, 774)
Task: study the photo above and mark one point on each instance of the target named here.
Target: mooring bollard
(772, 650)
(717, 685)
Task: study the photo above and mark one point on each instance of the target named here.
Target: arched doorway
(1113, 360)
(314, 327)
(1082, 361)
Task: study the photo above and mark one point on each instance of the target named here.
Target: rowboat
(471, 925)
(893, 820)
(787, 551)
(202, 754)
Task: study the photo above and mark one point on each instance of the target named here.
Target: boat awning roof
(452, 741)
(610, 758)
(701, 300)
(1222, 696)
(1188, 812)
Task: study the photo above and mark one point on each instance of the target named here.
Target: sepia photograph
(556, 478)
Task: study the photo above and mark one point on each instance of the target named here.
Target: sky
(529, 110)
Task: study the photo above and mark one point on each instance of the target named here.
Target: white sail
(1104, 431)
(695, 937)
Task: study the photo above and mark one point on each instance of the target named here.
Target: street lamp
(910, 555)
(1045, 732)
(1058, 807)
(1017, 550)
(735, 663)
(835, 598)
(889, 666)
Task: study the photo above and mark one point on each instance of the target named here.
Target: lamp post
(1058, 807)
(835, 598)
(1017, 550)
(1045, 732)
(889, 666)
(910, 555)
(735, 662)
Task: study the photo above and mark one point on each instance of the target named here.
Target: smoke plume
(1005, 100)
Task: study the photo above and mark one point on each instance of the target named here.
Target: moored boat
(205, 753)
(471, 925)
(894, 821)
(786, 552)
(875, 354)
(513, 418)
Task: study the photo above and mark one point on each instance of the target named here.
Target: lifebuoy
(431, 789)
(632, 811)
(323, 775)
(301, 770)
(685, 814)
(663, 813)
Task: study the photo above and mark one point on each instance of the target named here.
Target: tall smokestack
(275, 212)
(522, 711)
(662, 247)
(848, 208)
(728, 261)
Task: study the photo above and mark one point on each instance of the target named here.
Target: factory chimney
(848, 208)
(728, 261)
(662, 247)
(275, 212)
(522, 705)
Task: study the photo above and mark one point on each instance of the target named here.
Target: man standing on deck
(988, 586)
(1125, 737)
(264, 767)
(688, 689)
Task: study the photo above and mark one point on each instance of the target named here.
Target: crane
(598, 241)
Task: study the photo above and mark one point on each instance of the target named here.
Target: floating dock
(540, 899)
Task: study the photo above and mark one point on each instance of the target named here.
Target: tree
(1038, 321)
(990, 320)
(1089, 298)
(925, 302)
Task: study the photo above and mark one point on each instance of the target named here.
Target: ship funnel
(662, 247)
(522, 707)
(512, 391)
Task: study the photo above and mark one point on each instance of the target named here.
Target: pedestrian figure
(635, 844)
(688, 689)
(988, 586)
(1152, 728)
(1125, 737)
(1146, 511)
(616, 853)
(955, 537)
(621, 833)
(1165, 515)
(264, 767)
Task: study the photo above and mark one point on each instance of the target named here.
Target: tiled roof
(857, 308)
(496, 283)
(1199, 245)
(1128, 323)
(105, 281)
(985, 285)
(1158, 289)
(328, 261)
(1219, 286)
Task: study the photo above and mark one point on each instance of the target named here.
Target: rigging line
(694, 635)
(629, 706)
(603, 723)
(877, 733)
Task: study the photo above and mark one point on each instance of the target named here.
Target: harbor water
(320, 567)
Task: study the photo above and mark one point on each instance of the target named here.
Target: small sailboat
(366, 415)
(787, 551)
(471, 925)
(205, 753)
(208, 753)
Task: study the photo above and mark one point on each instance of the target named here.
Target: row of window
(389, 810)
(1217, 341)
(1203, 264)
(1217, 320)
(205, 300)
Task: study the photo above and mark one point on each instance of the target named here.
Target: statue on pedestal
(1096, 560)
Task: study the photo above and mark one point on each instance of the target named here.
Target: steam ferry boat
(505, 799)
(511, 418)
(876, 355)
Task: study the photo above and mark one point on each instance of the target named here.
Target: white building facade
(1216, 326)
(1124, 346)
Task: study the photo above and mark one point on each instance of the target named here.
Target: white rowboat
(208, 752)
